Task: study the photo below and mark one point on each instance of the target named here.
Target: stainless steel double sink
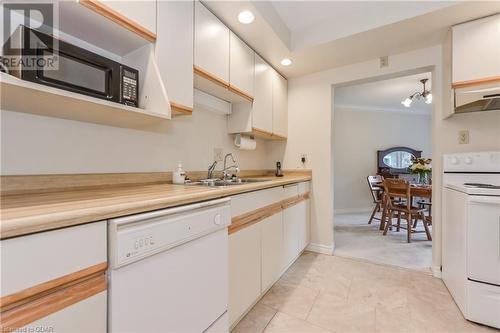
(229, 182)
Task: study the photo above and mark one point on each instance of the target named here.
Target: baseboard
(320, 248)
(353, 210)
(436, 271)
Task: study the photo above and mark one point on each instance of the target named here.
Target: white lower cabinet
(87, 316)
(302, 211)
(244, 270)
(272, 250)
(260, 253)
(33, 267)
(291, 229)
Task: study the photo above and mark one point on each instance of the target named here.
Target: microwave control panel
(130, 86)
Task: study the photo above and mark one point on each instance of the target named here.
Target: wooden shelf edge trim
(42, 307)
(463, 84)
(176, 107)
(209, 76)
(243, 221)
(100, 8)
(28, 294)
(267, 135)
(241, 93)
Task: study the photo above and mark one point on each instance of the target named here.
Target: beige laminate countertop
(28, 213)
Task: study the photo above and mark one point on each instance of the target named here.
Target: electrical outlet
(463, 137)
(218, 154)
(303, 158)
(384, 61)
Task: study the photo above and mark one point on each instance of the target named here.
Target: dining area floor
(355, 238)
(321, 293)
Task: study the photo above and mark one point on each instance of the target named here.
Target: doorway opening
(380, 126)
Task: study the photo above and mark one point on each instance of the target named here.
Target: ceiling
(315, 22)
(385, 95)
(318, 35)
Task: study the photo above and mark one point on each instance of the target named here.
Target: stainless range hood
(481, 97)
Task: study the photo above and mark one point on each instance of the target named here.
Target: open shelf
(28, 97)
(99, 25)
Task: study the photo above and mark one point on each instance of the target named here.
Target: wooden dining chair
(375, 183)
(395, 189)
(427, 205)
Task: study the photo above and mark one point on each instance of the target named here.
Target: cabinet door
(174, 50)
(88, 315)
(272, 250)
(280, 105)
(211, 43)
(244, 270)
(474, 38)
(291, 229)
(241, 65)
(304, 229)
(263, 97)
(141, 12)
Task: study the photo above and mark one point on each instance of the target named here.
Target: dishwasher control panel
(133, 239)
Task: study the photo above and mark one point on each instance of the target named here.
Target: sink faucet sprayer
(234, 166)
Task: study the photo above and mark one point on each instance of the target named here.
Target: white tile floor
(322, 293)
(355, 238)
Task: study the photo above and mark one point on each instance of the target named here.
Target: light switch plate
(463, 137)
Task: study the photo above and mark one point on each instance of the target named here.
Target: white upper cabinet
(142, 13)
(280, 105)
(263, 96)
(242, 65)
(174, 52)
(476, 50)
(211, 43)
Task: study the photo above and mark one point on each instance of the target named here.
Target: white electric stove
(471, 234)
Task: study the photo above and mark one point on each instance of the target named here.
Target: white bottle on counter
(179, 175)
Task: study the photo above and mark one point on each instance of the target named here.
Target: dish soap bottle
(279, 172)
(179, 175)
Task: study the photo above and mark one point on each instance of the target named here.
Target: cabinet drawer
(290, 190)
(483, 303)
(34, 259)
(304, 187)
(248, 202)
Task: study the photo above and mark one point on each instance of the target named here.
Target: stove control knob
(454, 160)
(468, 160)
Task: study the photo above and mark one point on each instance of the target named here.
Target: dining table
(416, 191)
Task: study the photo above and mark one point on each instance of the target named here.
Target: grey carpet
(355, 238)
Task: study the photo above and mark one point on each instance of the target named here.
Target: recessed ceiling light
(246, 17)
(286, 62)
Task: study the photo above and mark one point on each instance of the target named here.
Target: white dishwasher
(169, 270)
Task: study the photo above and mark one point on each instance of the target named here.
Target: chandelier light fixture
(424, 95)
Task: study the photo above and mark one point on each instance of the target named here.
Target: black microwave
(37, 57)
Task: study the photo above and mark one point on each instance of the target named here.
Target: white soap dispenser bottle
(179, 175)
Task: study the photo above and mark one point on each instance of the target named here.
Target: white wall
(310, 103)
(355, 156)
(41, 145)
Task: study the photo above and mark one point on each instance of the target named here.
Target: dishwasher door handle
(168, 211)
